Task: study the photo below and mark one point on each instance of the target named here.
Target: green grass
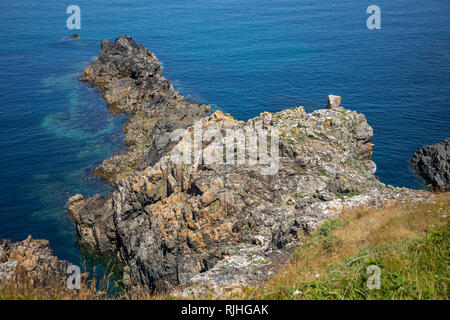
(409, 245)
(414, 269)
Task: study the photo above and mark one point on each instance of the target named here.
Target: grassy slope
(408, 243)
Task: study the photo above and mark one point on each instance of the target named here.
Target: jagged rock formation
(129, 76)
(226, 222)
(35, 259)
(433, 164)
(180, 223)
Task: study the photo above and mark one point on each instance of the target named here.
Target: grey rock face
(2, 255)
(35, 258)
(334, 101)
(131, 81)
(433, 164)
(8, 269)
(172, 221)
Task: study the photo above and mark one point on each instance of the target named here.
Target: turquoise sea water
(244, 57)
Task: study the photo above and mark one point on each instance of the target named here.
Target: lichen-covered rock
(433, 164)
(174, 221)
(35, 259)
(3, 256)
(129, 76)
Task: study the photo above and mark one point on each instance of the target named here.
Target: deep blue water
(244, 57)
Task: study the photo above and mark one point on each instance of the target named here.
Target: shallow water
(244, 57)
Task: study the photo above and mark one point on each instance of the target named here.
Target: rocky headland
(195, 226)
(433, 164)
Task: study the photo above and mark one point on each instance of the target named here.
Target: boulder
(433, 164)
(334, 101)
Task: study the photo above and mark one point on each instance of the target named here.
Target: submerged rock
(433, 164)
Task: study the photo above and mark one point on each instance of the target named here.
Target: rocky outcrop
(433, 164)
(177, 222)
(333, 101)
(129, 76)
(211, 202)
(33, 259)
